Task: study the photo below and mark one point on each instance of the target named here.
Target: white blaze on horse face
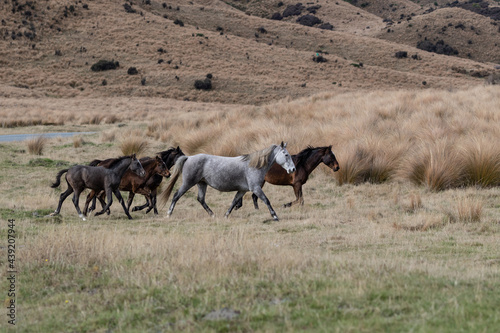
(284, 159)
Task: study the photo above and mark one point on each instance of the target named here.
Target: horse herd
(227, 174)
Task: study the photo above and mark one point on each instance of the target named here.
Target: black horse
(80, 177)
(168, 156)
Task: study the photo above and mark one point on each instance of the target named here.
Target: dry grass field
(403, 238)
(376, 247)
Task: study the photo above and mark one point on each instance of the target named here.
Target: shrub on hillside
(104, 65)
(293, 10)
(309, 20)
(440, 47)
(205, 84)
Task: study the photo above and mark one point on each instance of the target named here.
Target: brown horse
(305, 162)
(130, 181)
(80, 177)
(168, 156)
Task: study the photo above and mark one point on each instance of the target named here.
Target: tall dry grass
(134, 144)
(36, 145)
(439, 139)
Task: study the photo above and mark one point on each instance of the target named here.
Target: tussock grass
(77, 141)
(36, 145)
(134, 144)
(469, 209)
(481, 161)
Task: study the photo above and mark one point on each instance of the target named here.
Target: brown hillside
(47, 48)
(472, 35)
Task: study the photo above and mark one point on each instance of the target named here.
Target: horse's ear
(178, 149)
(330, 147)
(133, 156)
(283, 145)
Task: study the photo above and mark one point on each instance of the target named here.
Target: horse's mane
(165, 153)
(304, 154)
(259, 159)
(118, 160)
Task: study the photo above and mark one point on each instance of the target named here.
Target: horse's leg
(237, 199)
(297, 188)
(120, 199)
(131, 196)
(153, 201)
(109, 196)
(255, 203)
(76, 199)
(62, 197)
(90, 197)
(180, 192)
(147, 204)
(202, 190)
(260, 194)
(100, 197)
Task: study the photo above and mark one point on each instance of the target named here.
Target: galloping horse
(305, 162)
(168, 156)
(227, 174)
(130, 181)
(80, 177)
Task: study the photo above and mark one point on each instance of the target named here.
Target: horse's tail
(179, 164)
(95, 162)
(58, 178)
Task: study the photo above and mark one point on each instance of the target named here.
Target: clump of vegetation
(440, 47)
(133, 144)
(309, 20)
(104, 65)
(319, 58)
(132, 71)
(205, 84)
(36, 145)
(469, 210)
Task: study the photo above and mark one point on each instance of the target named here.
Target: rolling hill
(253, 51)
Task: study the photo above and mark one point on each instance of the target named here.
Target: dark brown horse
(130, 181)
(80, 177)
(168, 156)
(305, 162)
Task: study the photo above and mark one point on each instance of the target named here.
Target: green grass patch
(47, 163)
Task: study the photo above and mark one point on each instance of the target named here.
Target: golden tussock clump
(36, 145)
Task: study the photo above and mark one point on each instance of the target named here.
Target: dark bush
(293, 10)
(309, 20)
(132, 71)
(104, 65)
(203, 84)
(440, 47)
(277, 17)
(401, 54)
(129, 9)
(179, 23)
(319, 58)
(326, 26)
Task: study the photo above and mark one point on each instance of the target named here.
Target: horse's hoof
(275, 218)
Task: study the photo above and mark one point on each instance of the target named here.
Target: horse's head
(330, 160)
(171, 156)
(136, 166)
(284, 159)
(161, 168)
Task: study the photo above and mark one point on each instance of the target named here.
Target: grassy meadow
(404, 237)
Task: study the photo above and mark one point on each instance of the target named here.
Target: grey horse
(227, 174)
